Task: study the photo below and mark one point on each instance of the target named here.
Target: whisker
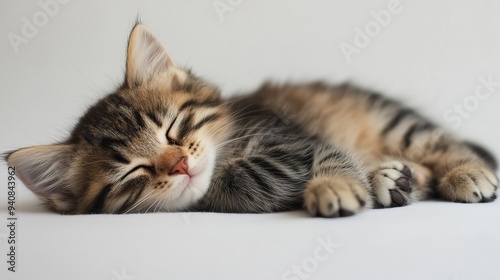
(158, 198)
(148, 195)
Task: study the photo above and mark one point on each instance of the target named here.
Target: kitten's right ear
(147, 59)
(45, 170)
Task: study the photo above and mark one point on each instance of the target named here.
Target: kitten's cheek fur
(203, 170)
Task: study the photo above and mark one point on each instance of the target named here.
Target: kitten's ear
(45, 170)
(147, 59)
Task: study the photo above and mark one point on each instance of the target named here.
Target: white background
(430, 56)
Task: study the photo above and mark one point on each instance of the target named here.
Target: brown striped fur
(331, 149)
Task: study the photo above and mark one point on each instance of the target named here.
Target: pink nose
(180, 167)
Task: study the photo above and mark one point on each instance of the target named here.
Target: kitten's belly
(346, 124)
(339, 118)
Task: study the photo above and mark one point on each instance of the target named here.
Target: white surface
(430, 55)
(428, 240)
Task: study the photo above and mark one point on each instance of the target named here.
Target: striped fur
(333, 150)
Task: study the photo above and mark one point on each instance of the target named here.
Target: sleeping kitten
(165, 141)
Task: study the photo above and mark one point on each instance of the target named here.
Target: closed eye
(138, 167)
(169, 139)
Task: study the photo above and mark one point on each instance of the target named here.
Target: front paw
(335, 196)
(469, 183)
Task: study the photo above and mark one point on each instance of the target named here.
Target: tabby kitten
(166, 141)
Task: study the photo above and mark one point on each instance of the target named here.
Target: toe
(328, 205)
(403, 184)
(406, 171)
(397, 198)
(311, 204)
(345, 213)
(489, 199)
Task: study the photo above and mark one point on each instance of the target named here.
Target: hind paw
(392, 185)
(469, 183)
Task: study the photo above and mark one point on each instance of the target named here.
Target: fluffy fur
(333, 150)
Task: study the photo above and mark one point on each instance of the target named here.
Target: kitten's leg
(460, 173)
(339, 185)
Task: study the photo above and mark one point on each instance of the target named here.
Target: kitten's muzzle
(171, 161)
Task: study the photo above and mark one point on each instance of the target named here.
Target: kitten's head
(150, 146)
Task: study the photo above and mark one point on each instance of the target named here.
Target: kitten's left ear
(46, 171)
(147, 60)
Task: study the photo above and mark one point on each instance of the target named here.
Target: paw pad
(392, 185)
